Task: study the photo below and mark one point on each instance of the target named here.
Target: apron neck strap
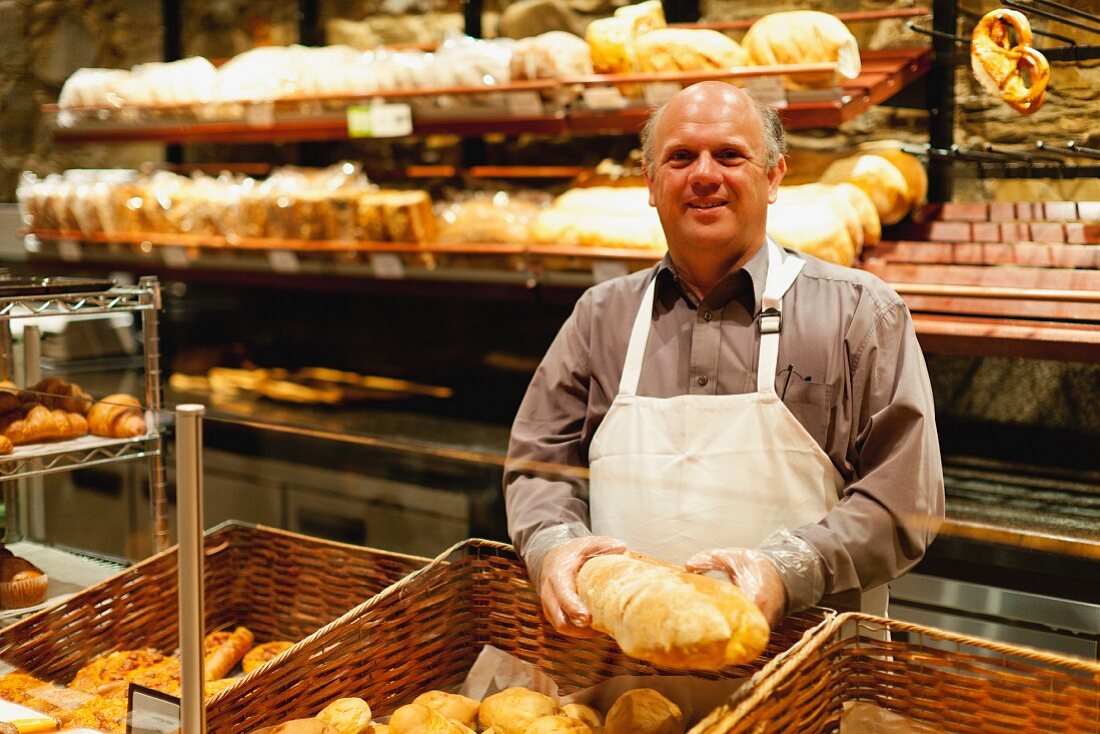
(782, 271)
(639, 337)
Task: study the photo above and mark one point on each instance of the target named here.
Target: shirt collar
(745, 285)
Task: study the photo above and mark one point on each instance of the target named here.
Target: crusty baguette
(670, 617)
(223, 650)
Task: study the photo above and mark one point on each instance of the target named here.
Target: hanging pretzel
(999, 65)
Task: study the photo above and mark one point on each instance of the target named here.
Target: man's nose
(704, 169)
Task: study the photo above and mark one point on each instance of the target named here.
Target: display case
(24, 303)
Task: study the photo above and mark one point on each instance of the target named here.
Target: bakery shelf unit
(19, 470)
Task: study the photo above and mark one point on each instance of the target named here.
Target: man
(768, 415)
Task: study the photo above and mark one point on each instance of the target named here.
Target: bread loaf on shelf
(687, 49)
(801, 37)
(670, 617)
(611, 40)
(879, 179)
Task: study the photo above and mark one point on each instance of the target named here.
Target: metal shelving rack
(28, 462)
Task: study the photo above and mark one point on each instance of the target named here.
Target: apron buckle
(771, 321)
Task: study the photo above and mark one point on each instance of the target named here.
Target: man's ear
(775, 177)
(648, 183)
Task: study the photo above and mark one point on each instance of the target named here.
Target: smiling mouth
(708, 205)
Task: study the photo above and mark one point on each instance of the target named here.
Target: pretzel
(998, 64)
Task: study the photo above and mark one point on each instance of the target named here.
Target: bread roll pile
(601, 216)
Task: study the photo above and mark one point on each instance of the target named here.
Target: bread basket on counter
(281, 585)
(922, 680)
(426, 632)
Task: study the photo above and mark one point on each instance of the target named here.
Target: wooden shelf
(884, 74)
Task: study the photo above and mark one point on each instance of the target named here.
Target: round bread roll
(263, 652)
(559, 724)
(916, 178)
(814, 228)
(878, 178)
(453, 706)
(830, 196)
(415, 718)
(297, 726)
(868, 215)
(644, 711)
(585, 713)
(347, 716)
(800, 37)
(512, 710)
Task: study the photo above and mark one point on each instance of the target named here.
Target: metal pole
(189, 527)
(31, 489)
(158, 483)
(941, 98)
(7, 358)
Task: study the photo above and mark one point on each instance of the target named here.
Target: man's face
(708, 178)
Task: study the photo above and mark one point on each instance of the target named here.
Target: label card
(607, 269)
(69, 251)
(175, 257)
(524, 104)
(604, 98)
(284, 261)
(152, 712)
(387, 265)
(379, 120)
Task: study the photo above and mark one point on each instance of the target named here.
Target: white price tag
(607, 269)
(175, 257)
(387, 265)
(524, 104)
(284, 261)
(379, 120)
(604, 98)
(657, 93)
(767, 89)
(260, 114)
(69, 251)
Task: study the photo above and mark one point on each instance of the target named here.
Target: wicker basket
(938, 681)
(425, 632)
(280, 585)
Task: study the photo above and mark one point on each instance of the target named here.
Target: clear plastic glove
(558, 582)
(750, 570)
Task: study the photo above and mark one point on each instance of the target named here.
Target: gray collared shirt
(850, 370)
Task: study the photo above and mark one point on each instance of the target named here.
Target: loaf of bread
(802, 37)
(347, 716)
(611, 40)
(297, 726)
(260, 654)
(687, 49)
(117, 416)
(549, 56)
(512, 710)
(911, 169)
(223, 650)
(670, 617)
(584, 712)
(644, 711)
(414, 718)
(879, 179)
(559, 724)
(814, 227)
(830, 196)
(452, 705)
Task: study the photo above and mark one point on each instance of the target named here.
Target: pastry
(452, 705)
(42, 424)
(22, 584)
(297, 726)
(584, 712)
(56, 394)
(260, 654)
(113, 667)
(414, 718)
(644, 711)
(223, 650)
(998, 63)
(117, 416)
(347, 716)
(801, 37)
(559, 724)
(512, 710)
(662, 614)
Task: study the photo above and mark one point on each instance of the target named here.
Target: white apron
(673, 476)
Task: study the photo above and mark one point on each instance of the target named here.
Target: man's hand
(558, 582)
(752, 572)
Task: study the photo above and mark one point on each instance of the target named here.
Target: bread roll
(868, 215)
(813, 227)
(916, 178)
(549, 56)
(260, 654)
(611, 40)
(644, 711)
(878, 178)
(347, 716)
(415, 718)
(453, 706)
(223, 650)
(585, 713)
(559, 724)
(687, 49)
(830, 196)
(800, 37)
(512, 710)
(670, 617)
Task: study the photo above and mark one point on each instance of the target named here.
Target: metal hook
(1030, 7)
(912, 25)
(1083, 151)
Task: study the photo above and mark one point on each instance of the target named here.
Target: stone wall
(43, 41)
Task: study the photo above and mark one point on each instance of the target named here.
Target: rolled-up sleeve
(545, 473)
(892, 507)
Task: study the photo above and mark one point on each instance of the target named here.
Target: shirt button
(707, 316)
(702, 380)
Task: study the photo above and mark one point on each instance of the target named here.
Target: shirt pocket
(811, 404)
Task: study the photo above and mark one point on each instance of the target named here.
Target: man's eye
(729, 155)
(679, 156)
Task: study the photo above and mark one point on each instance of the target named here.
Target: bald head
(711, 93)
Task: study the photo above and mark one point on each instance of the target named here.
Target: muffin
(21, 583)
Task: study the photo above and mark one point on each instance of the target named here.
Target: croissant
(6, 446)
(117, 416)
(42, 424)
(55, 393)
